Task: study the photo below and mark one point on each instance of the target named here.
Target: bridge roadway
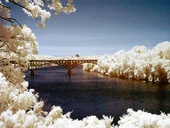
(68, 64)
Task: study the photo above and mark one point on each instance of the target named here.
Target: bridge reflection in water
(68, 64)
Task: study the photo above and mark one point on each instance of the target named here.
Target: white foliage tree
(138, 64)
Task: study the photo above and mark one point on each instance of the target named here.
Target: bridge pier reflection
(69, 72)
(32, 72)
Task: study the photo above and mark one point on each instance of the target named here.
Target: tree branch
(4, 6)
(12, 20)
(21, 6)
(2, 44)
(7, 45)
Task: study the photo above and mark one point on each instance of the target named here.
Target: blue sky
(103, 26)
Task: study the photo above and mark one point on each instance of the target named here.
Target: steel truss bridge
(68, 64)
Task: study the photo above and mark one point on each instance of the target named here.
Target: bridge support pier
(69, 68)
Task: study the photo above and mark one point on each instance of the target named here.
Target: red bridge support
(69, 72)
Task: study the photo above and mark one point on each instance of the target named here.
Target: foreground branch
(4, 6)
(11, 20)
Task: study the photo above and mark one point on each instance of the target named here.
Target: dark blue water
(86, 93)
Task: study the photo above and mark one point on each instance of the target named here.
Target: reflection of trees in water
(163, 97)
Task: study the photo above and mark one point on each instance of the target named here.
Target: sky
(102, 27)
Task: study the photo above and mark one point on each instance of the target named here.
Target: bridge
(68, 64)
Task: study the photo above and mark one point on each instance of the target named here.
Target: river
(88, 93)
